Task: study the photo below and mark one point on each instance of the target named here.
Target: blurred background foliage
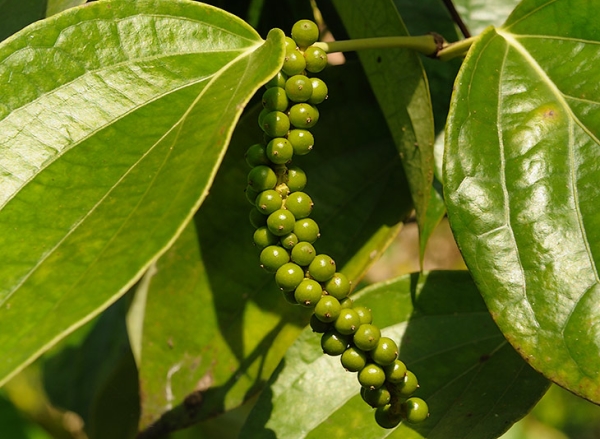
(26, 410)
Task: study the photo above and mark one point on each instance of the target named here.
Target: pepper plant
(132, 302)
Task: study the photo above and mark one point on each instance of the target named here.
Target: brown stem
(457, 18)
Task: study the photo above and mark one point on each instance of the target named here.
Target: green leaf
(421, 18)
(16, 14)
(479, 14)
(475, 384)
(521, 184)
(435, 213)
(119, 113)
(216, 325)
(399, 82)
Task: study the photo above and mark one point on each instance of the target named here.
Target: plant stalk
(454, 50)
(425, 44)
(432, 45)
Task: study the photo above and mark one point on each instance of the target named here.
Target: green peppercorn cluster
(285, 234)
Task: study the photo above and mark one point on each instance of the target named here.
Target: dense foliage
(132, 303)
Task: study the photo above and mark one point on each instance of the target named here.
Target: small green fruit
(376, 397)
(279, 150)
(415, 410)
(281, 222)
(257, 155)
(338, 286)
(385, 352)
(268, 201)
(322, 268)
(395, 372)
(294, 62)
(409, 384)
(277, 81)
(328, 309)
(302, 141)
(302, 115)
(353, 359)
(371, 376)
(261, 178)
(296, 178)
(364, 313)
(333, 343)
(386, 418)
(316, 59)
(303, 253)
(263, 238)
(289, 276)
(306, 229)
(272, 257)
(276, 123)
(347, 322)
(367, 336)
(305, 33)
(300, 204)
(275, 99)
(320, 91)
(308, 293)
(289, 241)
(298, 88)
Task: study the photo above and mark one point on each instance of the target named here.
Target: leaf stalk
(432, 45)
(425, 44)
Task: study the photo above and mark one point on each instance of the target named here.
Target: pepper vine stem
(432, 45)
(425, 44)
(455, 50)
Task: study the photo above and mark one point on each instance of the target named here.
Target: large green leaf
(479, 14)
(216, 326)
(521, 175)
(113, 119)
(398, 80)
(475, 384)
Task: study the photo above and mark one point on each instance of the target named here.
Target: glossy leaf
(216, 325)
(475, 384)
(398, 80)
(479, 14)
(111, 132)
(435, 214)
(421, 18)
(521, 174)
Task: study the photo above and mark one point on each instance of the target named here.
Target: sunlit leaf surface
(448, 340)
(522, 172)
(113, 119)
